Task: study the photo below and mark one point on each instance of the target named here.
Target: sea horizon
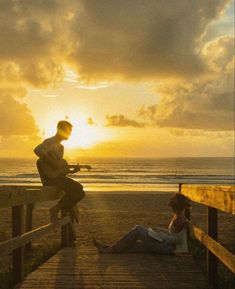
(130, 174)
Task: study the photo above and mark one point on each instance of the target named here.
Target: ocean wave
(133, 181)
(120, 176)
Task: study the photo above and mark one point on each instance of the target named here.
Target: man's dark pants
(73, 191)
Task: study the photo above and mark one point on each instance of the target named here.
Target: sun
(85, 133)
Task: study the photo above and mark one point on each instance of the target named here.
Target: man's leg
(73, 194)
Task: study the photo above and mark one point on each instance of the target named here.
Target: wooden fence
(21, 198)
(215, 198)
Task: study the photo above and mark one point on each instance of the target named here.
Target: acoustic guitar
(61, 168)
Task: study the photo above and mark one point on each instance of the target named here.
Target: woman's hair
(179, 202)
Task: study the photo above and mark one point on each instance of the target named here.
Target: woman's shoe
(102, 248)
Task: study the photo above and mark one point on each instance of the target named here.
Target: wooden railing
(215, 198)
(21, 198)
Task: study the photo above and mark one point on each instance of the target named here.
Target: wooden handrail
(22, 195)
(8, 246)
(219, 197)
(215, 198)
(19, 197)
(225, 256)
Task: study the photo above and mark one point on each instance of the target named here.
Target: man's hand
(77, 168)
(74, 168)
(88, 167)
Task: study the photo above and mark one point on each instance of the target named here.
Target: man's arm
(42, 152)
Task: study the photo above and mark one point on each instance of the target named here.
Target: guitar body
(46, 171)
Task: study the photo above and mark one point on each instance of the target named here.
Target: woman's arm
(179, 222)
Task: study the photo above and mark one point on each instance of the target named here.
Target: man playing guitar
(53, 169)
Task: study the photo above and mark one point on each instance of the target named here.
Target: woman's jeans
(138, 240)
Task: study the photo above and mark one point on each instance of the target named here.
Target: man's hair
(63, 124)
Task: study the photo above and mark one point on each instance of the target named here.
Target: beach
(109, 216)
(121, 193)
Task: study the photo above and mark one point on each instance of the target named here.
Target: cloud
(112, 39)
(141, 39)
(34, 39)
(31, 54)
(206, 104)
(15, 117)
(18, 145)
(104, 39)
(90, 121)
(122, 121)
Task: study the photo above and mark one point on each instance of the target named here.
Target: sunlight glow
(84, 135)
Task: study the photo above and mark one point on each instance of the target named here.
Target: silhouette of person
(50, 153)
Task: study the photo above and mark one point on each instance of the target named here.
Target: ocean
(130, 174)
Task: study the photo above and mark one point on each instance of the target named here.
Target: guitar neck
(81, 166)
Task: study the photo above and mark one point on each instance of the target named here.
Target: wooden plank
(84, 267)
(212, 261)
(18, 252)
(219, 197)
(29, 223)
(16, 242)
(23, 195)
(226, 257)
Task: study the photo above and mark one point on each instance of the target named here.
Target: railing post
(212, 261)
(71, 236)
(64, 230)
(67, 235)
(17, 254)
(187, 214)
(187, 211)
(29, 223)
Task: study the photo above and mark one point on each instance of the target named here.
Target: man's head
(64, 129)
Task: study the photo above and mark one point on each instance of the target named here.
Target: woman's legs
(130, 242)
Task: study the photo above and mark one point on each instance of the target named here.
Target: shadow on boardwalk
(83, 267)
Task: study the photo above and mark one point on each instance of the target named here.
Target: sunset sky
(137, 78)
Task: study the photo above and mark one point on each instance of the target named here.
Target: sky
(136, 78)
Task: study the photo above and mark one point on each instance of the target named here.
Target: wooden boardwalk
(83, 267)
(109, 217)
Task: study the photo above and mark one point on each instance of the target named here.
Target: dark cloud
(34, 39)
(141, 39)
(122, 121)
(104, 39)
(15, 117)
(205, 104)
(201, 104)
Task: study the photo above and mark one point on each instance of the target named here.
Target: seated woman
(159, 241)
